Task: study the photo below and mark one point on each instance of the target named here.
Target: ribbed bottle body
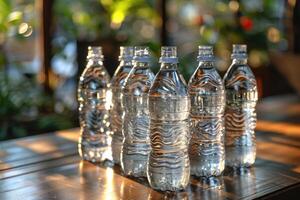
(206, 147)
(168, 165)
(116, 123)
(117, 112)
(240, 114)
(169, 105)
(94, 103)
(136, 145)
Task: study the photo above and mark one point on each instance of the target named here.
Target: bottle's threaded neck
(141, 54)
(168, 54)
(205, 53)
(239, 51)
(126, 53)
(95, 52)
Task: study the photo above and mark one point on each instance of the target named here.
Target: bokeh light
(234, 6)
(273, 35)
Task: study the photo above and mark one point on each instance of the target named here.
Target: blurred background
(43, 48)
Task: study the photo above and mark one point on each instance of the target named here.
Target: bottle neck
(206, 64)
(139, 64)
(168, 65)
(125, 62)
(240, 61)
(95, 61)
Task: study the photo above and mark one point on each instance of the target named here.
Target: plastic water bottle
(240, 115)
(95, 140)
(169, 106)
(136, 146)
(117, 84)
(207, 95)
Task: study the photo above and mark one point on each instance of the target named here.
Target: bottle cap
(168, 54)
(95, 52)
(141, 54)
(239, 51)
(126, 53)
(205, 53)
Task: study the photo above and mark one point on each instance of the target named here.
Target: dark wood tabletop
(48, 166)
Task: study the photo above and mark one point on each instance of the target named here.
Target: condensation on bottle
(136, 146)
(206, 90)
(117, 84)
(240, 114)
(94, 104)
(169, 106)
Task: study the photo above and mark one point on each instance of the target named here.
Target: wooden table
(48, 167)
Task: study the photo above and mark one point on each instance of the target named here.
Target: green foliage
(5, 10)
(26, 110)
(221, 23)
(91, 19)
(12, 16)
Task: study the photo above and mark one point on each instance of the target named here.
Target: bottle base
(96, 154)
(134, 165)
(240, 156)
(206, 167)
(206, 173)
(165, 180)
(168, 188)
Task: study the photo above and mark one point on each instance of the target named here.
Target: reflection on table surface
(48, 167)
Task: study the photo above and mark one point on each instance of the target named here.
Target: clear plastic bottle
(117, 84)
(94, 103)
(169, 106)
(240, 114)
(136, 146)
(207, 95)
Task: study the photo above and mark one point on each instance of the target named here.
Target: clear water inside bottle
(95, 140)
(206, 90)
(240, 115)
(117, 112)
(169, 105)
(136, 146)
